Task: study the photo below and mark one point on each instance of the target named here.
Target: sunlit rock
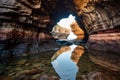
(77, 30)
(98, 15)
(67, 29)
(59, 32)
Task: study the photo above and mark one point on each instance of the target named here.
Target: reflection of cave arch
(65, 60)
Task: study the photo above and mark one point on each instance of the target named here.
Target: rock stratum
(23, 27)
(101, 20)
(24, 22)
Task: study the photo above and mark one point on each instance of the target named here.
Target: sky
(66, 22)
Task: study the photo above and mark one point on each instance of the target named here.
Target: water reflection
(65, 60)
(109, 62)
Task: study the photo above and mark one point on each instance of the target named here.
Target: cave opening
(67, 29)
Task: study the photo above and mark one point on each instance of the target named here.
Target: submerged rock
(98, 76)
(95, 76)
(46, 77)
(107, 61)
(5, 78)
(21, 62)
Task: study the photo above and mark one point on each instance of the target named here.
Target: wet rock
(11, 74)
(105, 42)
(21, 62)
(34, 48)
(36, 65)
(22, 77)
(44, 77)
(27, 64)
(95, 76)
(110, 63)
(98, 76)
(5, 78)
(83, 77)
(20, 49)
(18, 69)
(54, 78)
(35, 77)
(22, 72)
(34, 71)
(24, 54)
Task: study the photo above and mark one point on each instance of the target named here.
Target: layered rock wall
(109, 42)
(102, 22)
(23, 27)
(99, 15)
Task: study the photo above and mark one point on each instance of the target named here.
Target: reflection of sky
(64, 66)
(66, 22)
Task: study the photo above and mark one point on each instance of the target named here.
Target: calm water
(65, 60)
(67, 63)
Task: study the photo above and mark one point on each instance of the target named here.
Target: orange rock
(77, 30)
(77, 53)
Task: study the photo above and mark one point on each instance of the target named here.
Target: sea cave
(59, 40)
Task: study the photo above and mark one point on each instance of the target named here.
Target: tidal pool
(71, 62)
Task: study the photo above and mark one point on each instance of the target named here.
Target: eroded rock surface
(23, 27)
(109, 42)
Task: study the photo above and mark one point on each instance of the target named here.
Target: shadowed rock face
(105, 42)
(99, 15)
(23, 27)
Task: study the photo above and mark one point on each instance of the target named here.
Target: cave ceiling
(92, 15)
